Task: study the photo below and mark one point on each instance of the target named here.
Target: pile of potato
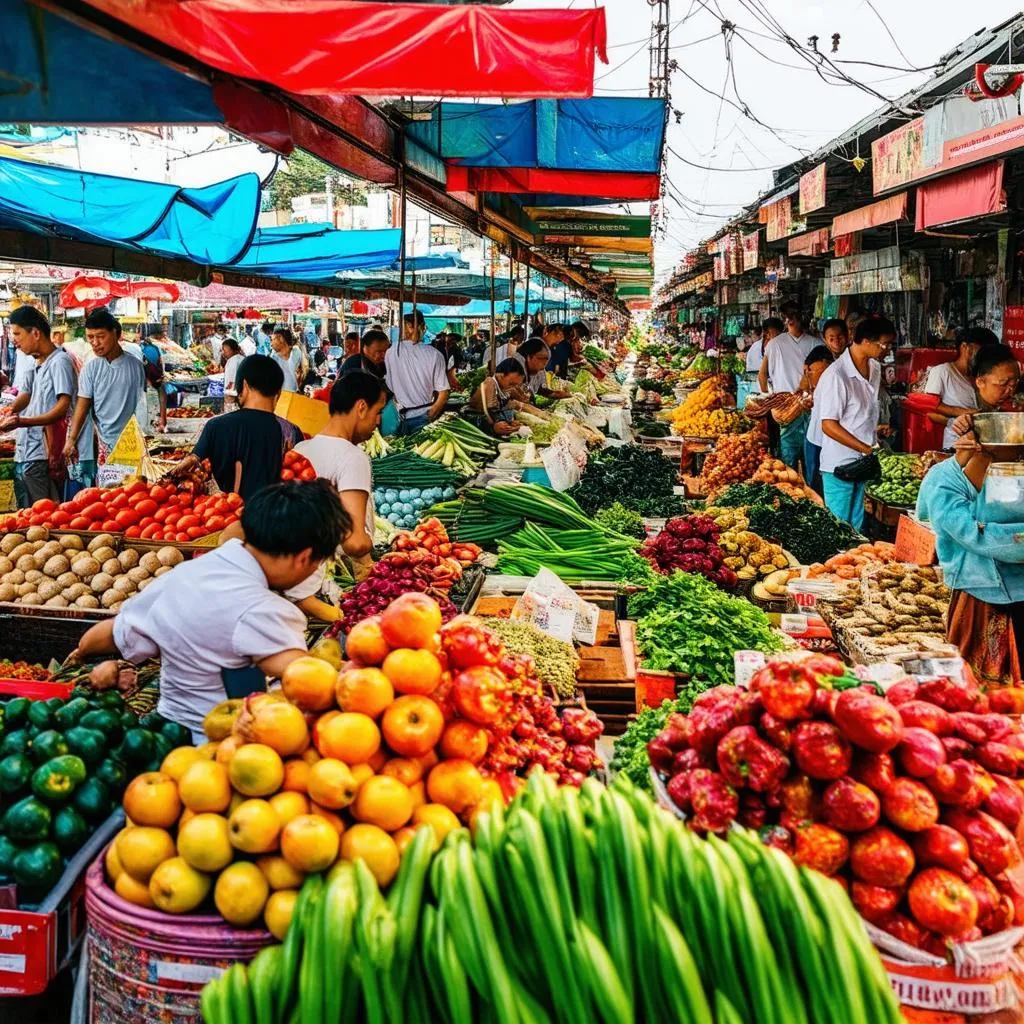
(65, 573)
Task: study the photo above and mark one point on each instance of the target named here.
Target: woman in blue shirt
(983, 564)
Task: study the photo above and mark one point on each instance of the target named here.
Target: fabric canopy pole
(361, 48)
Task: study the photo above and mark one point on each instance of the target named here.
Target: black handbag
(861, 470)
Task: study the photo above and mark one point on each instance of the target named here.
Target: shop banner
(814, 243)
(750, 250)
(897, 158)
(1013, 329)
(846, 245)
(780, 219)
(812, 190)
(885, 211)
(976, 192)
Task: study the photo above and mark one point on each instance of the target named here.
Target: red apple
(987, 896)
(923, 715)
(899, 926)
(821, 848)
(876, 771)
(941, 847)
(902, 692)
(821, 751)
(920, 752)
(992, 844)
(956, 783)
(956, 747)
(850, 806)
(868, 721)
(1000, 757)
(909, 805)
(880, 857)
(1005, 803)
(875, 902)
(942, 902)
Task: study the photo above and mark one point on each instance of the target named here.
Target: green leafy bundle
(625, 474)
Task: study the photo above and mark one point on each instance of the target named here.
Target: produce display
(23, 670)
(750, 556)
(65, 572)
(166, 511)
(617, 518)
(63, 767)
(555, 661)
(630, 751)
(457, 444)
(690, 544)
(910, 798)
(399, 470)
(779, 475)
(901, 479)
(734, 459)
(569, 907)
(191, 412)
(296, 467)
(704, 414)
(848, 565)
(403, 506)
(628, 473)
(686, 624)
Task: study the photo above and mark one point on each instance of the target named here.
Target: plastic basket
(35, 689)
(42, 635)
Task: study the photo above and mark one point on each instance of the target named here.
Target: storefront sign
(984, 144)
(780, 219)
(814, 243)
(897, 158)
(608, 227)
(1013, 329)
(750, 250)
(812, 190)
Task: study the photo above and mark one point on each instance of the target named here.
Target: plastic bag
(555, 609)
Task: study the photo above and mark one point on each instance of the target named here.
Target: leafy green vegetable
(658, 508)
(686, 624)
(662, 387)
(622, 520)
(625, 474)
(630, 751)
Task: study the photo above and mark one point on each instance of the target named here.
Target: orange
(362, 772)
(152, 799)
(429, 759)
(437, 817)
(456, 784)
(374, 846)
(378, 760)
(254, 827)
(309, 843)
(412, 725)
(142, 850)
(464, 739)
(289, 805)
(331, 783)
(296, 775)
(256, 770)
(310, 755)
(407, 770)
(349, 736)
(226, 749)
(111, 861)
(411, 621)
(366, 643)
(366, 690)
(241, 893)
(275, 723)
(134, 892)
(177, 888)
(418, 792)
(413, 671)
(205, 787)
(279, 873)
(403, 837)
(277, 914)
(186, 817)
(336, 820)
(205, 842)
(383, 801)
(179, 760)
(309, 683)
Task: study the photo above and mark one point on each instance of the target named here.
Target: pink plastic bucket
(148, 966)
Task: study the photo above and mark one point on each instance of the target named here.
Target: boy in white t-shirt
(953, 382)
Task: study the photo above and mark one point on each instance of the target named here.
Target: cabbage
(384, 509)
(404, 494)
(391, 495)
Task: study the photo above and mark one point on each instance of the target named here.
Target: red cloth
(606, 184)
(975, 192)
(91, 292)
(322, 47)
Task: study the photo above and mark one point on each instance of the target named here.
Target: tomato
(234, 500)
(133, 531)
(44, 505)
(117, 501)
(94, 526)
(188, 521)
(87, 496)
(215, 523)
(308, 474)
(182, 538)
(158, 494)
(136, 488)
(97, 510)
(38, 519)
(220, 507)
(146, 507)
(196, 531)
(79, 523)
(152, 530)
(127, 517)
(183, 500)
(287, 474)
(66, 506)
(110, 526)
(60, 518)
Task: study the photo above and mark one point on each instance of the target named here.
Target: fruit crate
(36, 634)
(35, 944)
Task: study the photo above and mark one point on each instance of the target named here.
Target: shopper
(771, 327)
(783, 363)
(109, 387)
(352, 344)
(288, 356)
(533, 356)
(232, 355)
(264, 339)
(982, 563)
(246, 447)
(153, 363)
(953, 382)
(492, 406)
(815, 365)
(216, 341)
(847, 398)
(41, 410)
(996, 376)
(836, 337)
(560, 346)
(219, 624)
(373, 347)
(509, 344)
(416, 375)
(247, 346)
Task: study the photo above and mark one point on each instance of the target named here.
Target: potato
(116, 606)
(67, 579)
(34, 533)
(40, 558)
(57, 602)
(71, 543)
(163, 569)
(26, 588)
(56, 565)
(104, 540)
(112, 566)
(34, 576)
(86, 601)
(101, 582)
(6, 565)
(129, 558)
(150, 562)
(125, 585)
(25, 563)
(170, 557)
(37, 545)
(103, 554)
(48, 589)
(8, 592)
(32, 598)
(75, 591)
(138, 574)
(111, 597)
(10, 542)
(14, 577)
(145, 583)
(85, 567)
(51, 547)
(25, 548)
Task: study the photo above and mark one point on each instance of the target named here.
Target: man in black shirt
(246, 447)
(561, 350)
(370, 359)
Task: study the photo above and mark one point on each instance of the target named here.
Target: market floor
(52, 1007)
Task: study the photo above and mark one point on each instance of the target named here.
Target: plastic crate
(41, 635)
(34, 689)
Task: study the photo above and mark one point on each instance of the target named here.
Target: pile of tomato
(148, 512)
(23, 670)
(297, 467)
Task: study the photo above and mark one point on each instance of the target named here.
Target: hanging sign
(780, 219)
(812, 190)
(750, 250)
(897, 158)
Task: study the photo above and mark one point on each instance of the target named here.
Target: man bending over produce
(219, 623)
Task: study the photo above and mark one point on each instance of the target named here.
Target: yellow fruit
(289, 805)
(361, 772)
(219, 720)
(256, 770)
(374, 846)
(134, 892)
(241, 893)
(254, 827)
(403, 837)
(205, 843)
(309, 843)
(337, 823)
(177, 888)
(279, 873)
(310, 755)
(186, 817)
(152, 799)
(226, 749)
(277, 914)
(179, 760)
(141, 850)
(269, 719)
(439, 818)
(208, 750)
(236, 801)
(418, 792)
(296, 775)
(309, 683)
(205, 788)
(111, 861)
(328, 649)
(331, 783)
(383, 801)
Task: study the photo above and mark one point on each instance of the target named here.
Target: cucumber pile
(64, 765)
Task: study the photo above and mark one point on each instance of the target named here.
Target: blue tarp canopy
(478, 308)
(582, 135)
(318, 252)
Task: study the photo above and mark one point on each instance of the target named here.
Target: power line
(727, 170)
(888, 31)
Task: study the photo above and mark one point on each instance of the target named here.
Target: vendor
(492, 406)
(533, 356)
(772, 327)
(288, 355)
(557, 340)
(982, 563)
(783, 363)
(847, 402)
(953, 382)
(417, 376)
(219, 623)
(231, 353)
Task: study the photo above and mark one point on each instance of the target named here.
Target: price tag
(130, 447)
(915, 542)
(113, 474)
(745, 664)
(794, 625)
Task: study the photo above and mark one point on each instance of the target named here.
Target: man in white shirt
(953, 382)
(508, 347)
(247, 345)
(783, 363)
(770, 328)
(215, 341)
(847, 403)
(417, 376)
(219, 623)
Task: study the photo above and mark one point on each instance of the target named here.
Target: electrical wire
(888, 31)
(727, 170)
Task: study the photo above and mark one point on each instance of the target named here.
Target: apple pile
(910, 801)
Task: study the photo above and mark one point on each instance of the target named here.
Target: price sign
(915, 542)
(113, 474)
(130, 447)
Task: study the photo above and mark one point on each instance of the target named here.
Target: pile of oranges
(346, 761)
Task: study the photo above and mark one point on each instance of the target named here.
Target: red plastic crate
(34, 690)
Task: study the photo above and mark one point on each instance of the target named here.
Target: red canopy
(91, 292)
(317, 47)
(614, 185)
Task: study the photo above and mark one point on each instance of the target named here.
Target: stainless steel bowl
(999, 428)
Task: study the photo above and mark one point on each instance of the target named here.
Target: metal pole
(526, 304)
(401, 254)
(511, 314)
(493, 339)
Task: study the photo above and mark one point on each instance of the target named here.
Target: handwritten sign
(915, 542)
(113, 474)
(812, 190)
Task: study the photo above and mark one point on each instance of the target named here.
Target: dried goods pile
(734, 458)
(911, 799)
(569, 907)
